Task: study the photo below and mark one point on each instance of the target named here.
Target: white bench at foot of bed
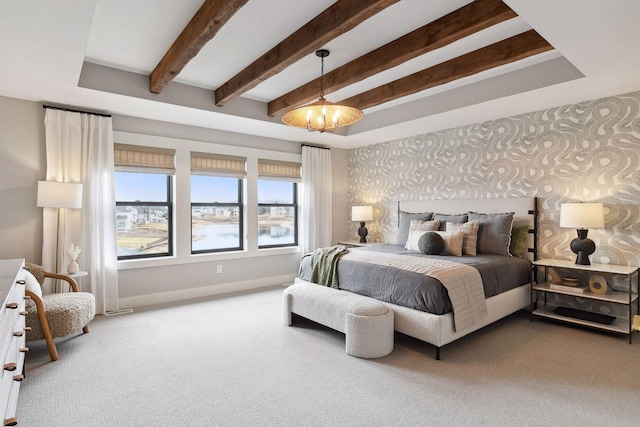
(367, 323)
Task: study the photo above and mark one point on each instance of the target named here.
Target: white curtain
(316, 198)
(80, 150)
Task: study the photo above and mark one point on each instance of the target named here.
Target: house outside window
(144, 201)
(277, 203)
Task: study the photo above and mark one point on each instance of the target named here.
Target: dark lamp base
(362, 232)
(582, 246)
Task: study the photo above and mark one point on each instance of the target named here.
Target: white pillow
(452, 242)
(418, 228)
(31, 284)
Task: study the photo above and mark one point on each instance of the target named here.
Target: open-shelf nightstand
(619, 325)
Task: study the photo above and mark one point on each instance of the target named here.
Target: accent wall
(583, 152)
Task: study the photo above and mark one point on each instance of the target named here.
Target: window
(144, 201)
(277, 214)
(143, 215)
(277, 203)
(216, 202)
(216, 214)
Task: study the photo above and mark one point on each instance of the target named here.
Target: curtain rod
(75, 111)
(315, 146)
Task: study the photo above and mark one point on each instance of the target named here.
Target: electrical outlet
(219, 269)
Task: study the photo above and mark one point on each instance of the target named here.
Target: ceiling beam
(504, 52)
(212, 15)
(339, 18)
(454, 26)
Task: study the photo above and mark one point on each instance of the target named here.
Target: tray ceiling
(446, 62)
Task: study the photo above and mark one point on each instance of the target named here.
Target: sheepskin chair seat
(55, 315)
(67, 313)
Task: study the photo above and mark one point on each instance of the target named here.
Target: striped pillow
(470, 230)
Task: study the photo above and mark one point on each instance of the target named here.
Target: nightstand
(619, 325)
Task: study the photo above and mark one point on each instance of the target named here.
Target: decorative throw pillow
(452, 242)
(494, 234)
(431, 243)
(404, 223)
(449, 218)
(416, 231)
(470, 230)
(32, 284)
(518, 244)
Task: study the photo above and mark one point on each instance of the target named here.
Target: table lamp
(582, 216)
(60, 195)
(362, 214)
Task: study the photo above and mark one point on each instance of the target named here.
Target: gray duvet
(406, 288)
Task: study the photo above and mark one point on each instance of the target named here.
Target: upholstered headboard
(525, 211)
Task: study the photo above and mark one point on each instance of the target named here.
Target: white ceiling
(97, 54)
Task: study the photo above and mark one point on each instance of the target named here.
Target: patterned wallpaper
(584, 152)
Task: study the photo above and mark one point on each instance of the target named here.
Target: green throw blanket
(324, 265)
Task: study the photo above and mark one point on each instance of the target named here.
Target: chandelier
(322, 115)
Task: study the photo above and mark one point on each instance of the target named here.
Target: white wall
(22, 165)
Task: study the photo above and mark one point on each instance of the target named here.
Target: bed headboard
(525, 210)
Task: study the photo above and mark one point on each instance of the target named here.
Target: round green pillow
(431, 243)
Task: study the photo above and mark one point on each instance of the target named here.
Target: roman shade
(218, 165)
(279, 170)
(137, 158)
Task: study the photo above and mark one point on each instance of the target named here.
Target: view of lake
(219, 236)
(144, 229)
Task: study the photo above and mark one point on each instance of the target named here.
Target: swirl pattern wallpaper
(575, 153)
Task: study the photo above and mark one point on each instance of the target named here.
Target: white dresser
(12, 336)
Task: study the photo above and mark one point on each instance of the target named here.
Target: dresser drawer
(12, 336)
(9, 314)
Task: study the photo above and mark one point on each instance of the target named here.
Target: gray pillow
(405, 224)
(431, 243)
(449, 218)
(494, 234)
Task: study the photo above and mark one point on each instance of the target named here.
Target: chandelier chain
(321, 77)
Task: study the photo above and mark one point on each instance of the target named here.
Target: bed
(422, 305)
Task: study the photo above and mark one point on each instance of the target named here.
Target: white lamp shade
(361, 213)
(582, 215)
(53, 194)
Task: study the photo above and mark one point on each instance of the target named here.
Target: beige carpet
(230, 361)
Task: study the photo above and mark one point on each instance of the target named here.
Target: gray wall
(23, 164)
(583, 152)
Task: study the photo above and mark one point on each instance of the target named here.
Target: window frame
(294, 205)
(170, 219)
(239, 204)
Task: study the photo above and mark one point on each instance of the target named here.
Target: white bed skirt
(438, 329)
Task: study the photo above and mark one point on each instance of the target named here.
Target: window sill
(212, 257)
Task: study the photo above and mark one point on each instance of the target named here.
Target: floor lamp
(60, 195)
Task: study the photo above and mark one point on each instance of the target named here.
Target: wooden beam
(212, 15)
(454, 26)
(504, 52)
(339, 18)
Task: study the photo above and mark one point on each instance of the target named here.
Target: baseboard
(205, 291)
